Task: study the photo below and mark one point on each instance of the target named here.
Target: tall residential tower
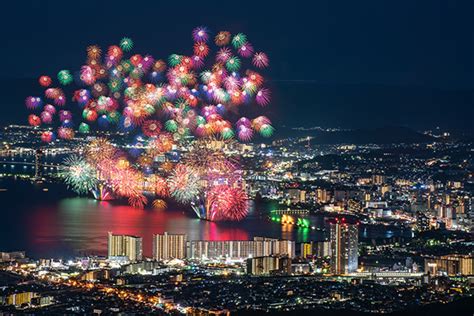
(344, 238)
(169, 246)
(125, 246)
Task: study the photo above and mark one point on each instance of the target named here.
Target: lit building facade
(344, 238)
(240, 249)
(169, 246)
(127, 246)
(269, 265)
(450, 264)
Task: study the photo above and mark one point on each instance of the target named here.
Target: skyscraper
(125, 246)
(169, 246)
(344, 237)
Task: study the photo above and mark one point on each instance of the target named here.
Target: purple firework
(200, 34)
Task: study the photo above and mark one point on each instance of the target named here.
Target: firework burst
(184, 184)
(178, 113)
(99, 150)
(79, 174)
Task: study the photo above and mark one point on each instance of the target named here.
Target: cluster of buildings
(425, 188)
(263, 255)
(396, 182)
(454, 264)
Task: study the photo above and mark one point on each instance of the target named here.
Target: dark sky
(341, 63)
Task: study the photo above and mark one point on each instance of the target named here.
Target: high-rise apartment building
(169, 246)
(344, 238)
(452, 265)
(240, 249)
(125, 246)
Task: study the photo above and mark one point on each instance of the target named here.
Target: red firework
(114, 54)
(201, 49)
(137, 201)
(136, 59)
(227, 203)
(45, 81)
(47, 136)
(34, 120)
(161, 186)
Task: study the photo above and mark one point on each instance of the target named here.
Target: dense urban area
(424, 188)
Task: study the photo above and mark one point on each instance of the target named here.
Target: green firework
(227, 133)
(266, 130)
(84, 128)
(239, 40)
(233, 64)
(174, 59)
(64, 77)
(171, 126)
(126, 44)
(79, 175)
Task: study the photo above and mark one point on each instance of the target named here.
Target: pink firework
(238, 209)
(65, 133)
(53, 93)
(244, 133)
(244, 121)
(46, 117)
(246, 50)
(148, 62)
(223, 54)
(200, 130)
(87, 75)
(260, 60)
(197, 62)
(263, 97)
(49, 108)
(231, 83)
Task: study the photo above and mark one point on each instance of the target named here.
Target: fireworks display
(162, 104)
(79, 174)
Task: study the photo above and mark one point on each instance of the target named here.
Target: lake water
(57, 223)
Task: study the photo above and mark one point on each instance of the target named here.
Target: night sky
(333, 63)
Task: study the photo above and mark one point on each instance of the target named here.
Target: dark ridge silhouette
(381, 135)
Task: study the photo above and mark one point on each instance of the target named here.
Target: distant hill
(383, 135)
